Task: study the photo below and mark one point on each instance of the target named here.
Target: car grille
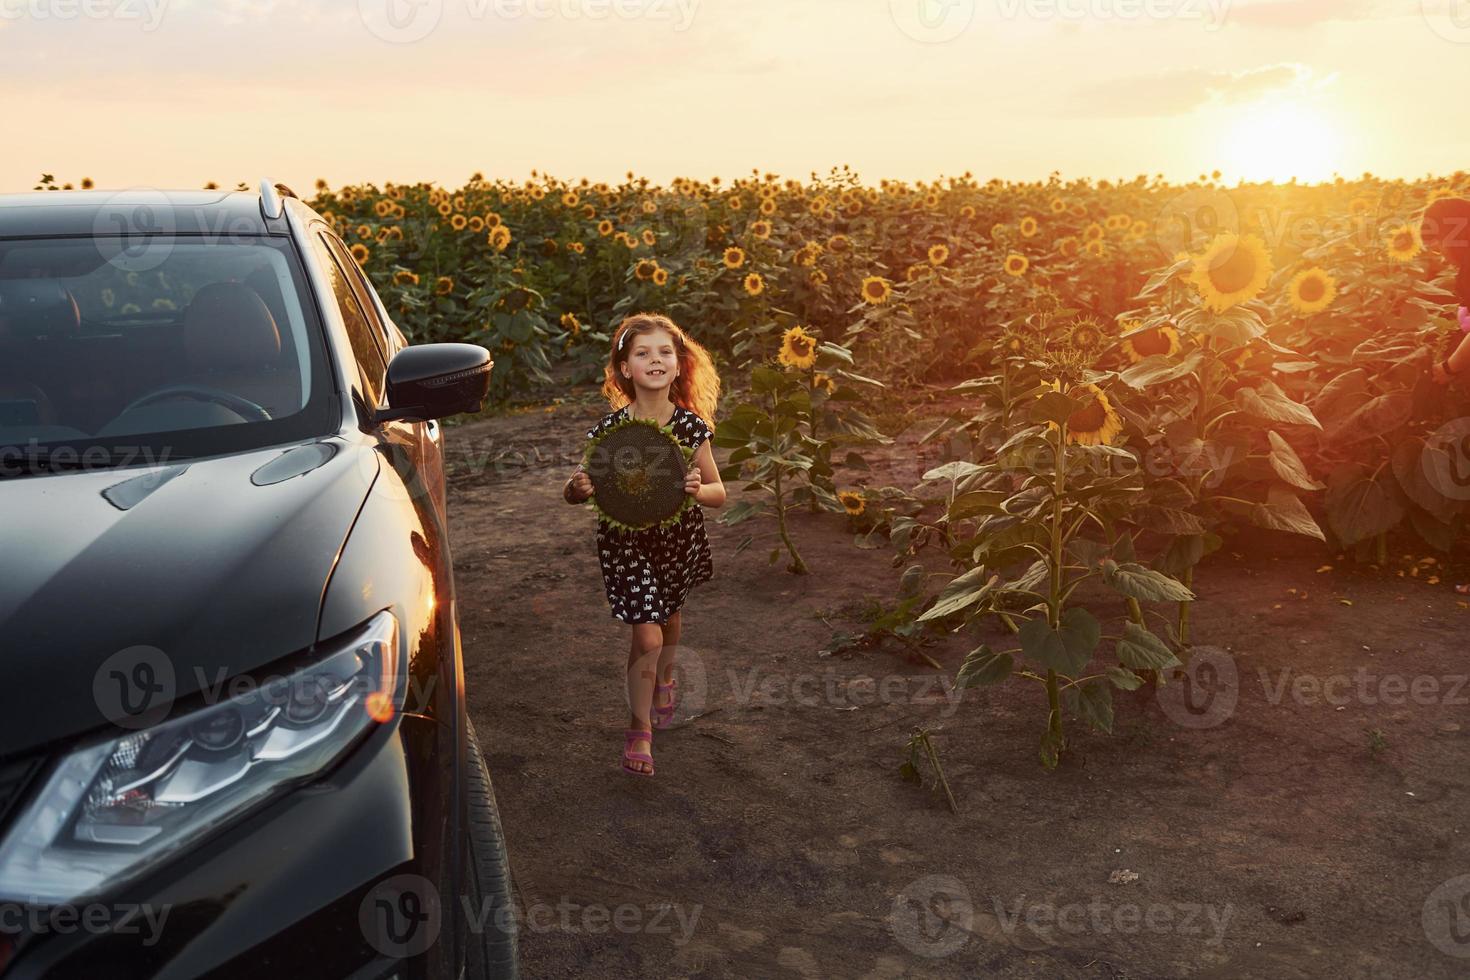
(15, 776)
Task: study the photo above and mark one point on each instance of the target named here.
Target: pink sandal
(630, 736)
(663, 715)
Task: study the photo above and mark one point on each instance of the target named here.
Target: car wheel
(490, 952)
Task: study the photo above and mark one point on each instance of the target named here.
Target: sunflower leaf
(1146, 584)
(1053, 406)
(984, 666)
(1068, 647)
(1142, 650)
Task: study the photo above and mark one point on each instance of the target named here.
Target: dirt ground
(1298, 810)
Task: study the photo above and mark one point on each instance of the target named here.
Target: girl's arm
(704, 480)
(1457, 363)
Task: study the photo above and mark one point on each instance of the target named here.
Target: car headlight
(111, 810)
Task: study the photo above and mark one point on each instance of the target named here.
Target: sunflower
(1058, 206)
(1086, 334)
(604, 227)
(852, 502)
(838, 243)
(445, 209)
(360, 253)
(492, 220)
(1092, 233)
(1069, 247)
(967, 212)
(818, 277)
(1232, 269)
(405, 278)
(570, 199)
(1029, 227)
(649, 207)
(798, 348)
(383, 208)
(459, 222)
(1139, 230)
(917, 271)
(1160, 340)
(476, 224)
(768, 207)
(761, 229)
(754, 284)
(660, 277)
(734, 257)
(824, 382)
(570, 322)
(499, 238)
(1016, 264)
(876, 290)
(1117, 222)
(1404, 243)
(644, 269)
(1096, 423)
(577, 247)
(998, 231)
(443, 286)
(364, 231)
(938, 254)
(649, 238)
(1311, 291)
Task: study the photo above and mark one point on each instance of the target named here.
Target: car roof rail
(270, 201)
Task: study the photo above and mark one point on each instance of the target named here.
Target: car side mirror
(431, 381)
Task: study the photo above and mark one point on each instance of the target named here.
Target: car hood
(220, 564)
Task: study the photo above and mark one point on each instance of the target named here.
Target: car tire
(490, 950)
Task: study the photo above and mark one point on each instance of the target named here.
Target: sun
(1281, 139)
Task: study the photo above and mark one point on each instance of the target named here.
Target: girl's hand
(1438, 373)
(692, 481)
(581, 485)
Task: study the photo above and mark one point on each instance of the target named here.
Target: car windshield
(115, 351)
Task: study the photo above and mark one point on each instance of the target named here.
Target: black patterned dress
(648, 573)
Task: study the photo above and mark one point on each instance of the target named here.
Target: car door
(412, 448)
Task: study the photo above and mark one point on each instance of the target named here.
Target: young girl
(1446, 228)
(656, 371)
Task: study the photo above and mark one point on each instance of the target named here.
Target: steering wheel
(243, 407)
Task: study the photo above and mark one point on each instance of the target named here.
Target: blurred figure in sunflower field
(1446, 228)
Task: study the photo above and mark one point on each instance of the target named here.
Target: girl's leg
(643, 652)
(666, 659)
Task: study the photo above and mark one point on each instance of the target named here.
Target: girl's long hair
(697, 388)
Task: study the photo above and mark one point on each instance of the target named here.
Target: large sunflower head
(1403, 243)
(734, 257)
(644, 269)
(1029, 226)
(360, 253)
(1311, 291)
(1139, 343)
(798, 348)
(1016, 264)
(604, 227)
(1096, 423)
(852, 502)
(938, 254)
(1058, 206)
(754, 284)
(1232, 269)
(876, 290)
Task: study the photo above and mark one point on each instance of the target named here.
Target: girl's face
(652, 361)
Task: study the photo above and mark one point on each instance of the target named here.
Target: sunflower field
(1144, 368)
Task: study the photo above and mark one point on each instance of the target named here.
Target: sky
(174, 93)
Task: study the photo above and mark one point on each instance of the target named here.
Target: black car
(233, 736)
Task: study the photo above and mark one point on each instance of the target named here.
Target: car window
(365, 350)
(188, 344)
(366, 295)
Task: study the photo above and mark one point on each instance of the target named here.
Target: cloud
(1176, 92)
